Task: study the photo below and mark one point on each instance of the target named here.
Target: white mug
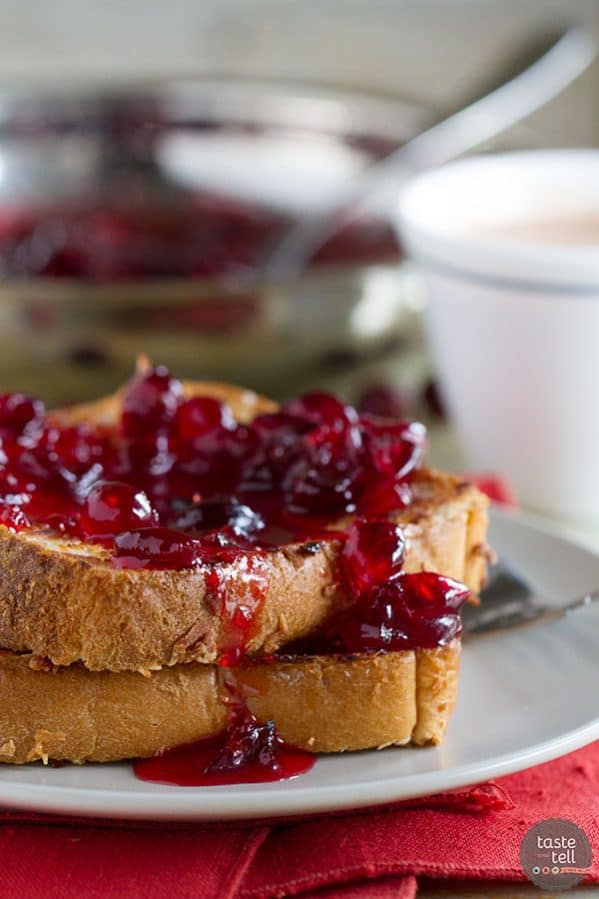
(513, 323)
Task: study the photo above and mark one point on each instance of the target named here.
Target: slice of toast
(319, 703)
(61, 599)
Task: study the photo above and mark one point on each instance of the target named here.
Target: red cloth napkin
(374, 854)
(471, 833)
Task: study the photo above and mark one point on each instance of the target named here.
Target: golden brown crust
(436, 692)
(325, 704)
(64, 601)
(70, 607)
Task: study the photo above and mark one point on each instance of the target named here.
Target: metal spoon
(557, 62)
(509, 603)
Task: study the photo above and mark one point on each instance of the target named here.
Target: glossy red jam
(373, 552)
(187, 466)
(165, 548)
(150, 404)
(111, 507)
(407, 611)
(248, 752)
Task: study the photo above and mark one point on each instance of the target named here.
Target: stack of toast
(101, 663)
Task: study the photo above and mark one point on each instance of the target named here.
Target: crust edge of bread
(67, 609)
(321, 703)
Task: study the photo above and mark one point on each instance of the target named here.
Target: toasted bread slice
(62, 599)
(319, 703)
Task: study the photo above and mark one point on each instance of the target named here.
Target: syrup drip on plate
(247, 752)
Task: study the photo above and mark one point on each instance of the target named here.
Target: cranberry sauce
(178, 482)
(247, 752)
(198, 236)
(409, 611)
(392, 610)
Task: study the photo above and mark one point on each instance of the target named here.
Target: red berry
(150, 401)
(216, 514)
(320, 408)
(384, 496)
(75, 448)
(247, 743)
(321, 492)
(202, 416)
(411, 610)
(384, 401)
(13, 518)
(17, 410)
(156, 548)
(432, 594)
(112, 507)
(322, 472)
(276, 443)
(373, 552)
(149, 452)
(393, 450)
(279, 427)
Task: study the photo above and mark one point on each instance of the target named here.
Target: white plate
(524, 698)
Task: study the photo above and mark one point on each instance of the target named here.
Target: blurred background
(152, 158)
(432, 50)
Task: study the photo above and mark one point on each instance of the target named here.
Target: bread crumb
(41, 663)
(39, 750)
(8, 748)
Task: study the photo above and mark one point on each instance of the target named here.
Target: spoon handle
(472, 126)
(518, 620)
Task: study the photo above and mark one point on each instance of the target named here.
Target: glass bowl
(138, 222)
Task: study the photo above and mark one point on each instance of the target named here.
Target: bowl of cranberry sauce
(144, 219)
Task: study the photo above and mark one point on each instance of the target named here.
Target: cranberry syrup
(179, 484)
(247, 752)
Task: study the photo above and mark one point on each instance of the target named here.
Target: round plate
(525, 698)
